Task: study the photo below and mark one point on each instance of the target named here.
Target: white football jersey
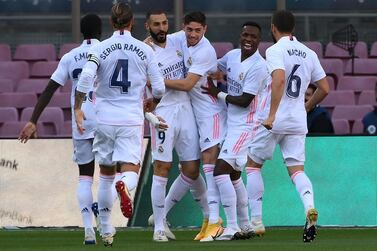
(200, 60)
(170, 62)
(70, 67)
(302, 67)
(124, 65)
(249, 76)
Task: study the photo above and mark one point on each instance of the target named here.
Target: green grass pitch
(139, 240)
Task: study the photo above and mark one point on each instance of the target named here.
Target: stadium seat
(351, 112)
(14, 70)
(367, 98)
(11, 129)
(333, 67)
(5, 53)
(335, 98)
(357, 83)
(331, 82)
(358, 127)
(47, 130)
(66, 129)
(222, 48)
(67, 87)
(362, 66)
(333, 51)
(341, 126)
(18, 100)
(35, 52)
(62, 100)
(373, 50)
(66, 48)
(6, 85)
(51, 117)
(43, 69)
(316, 47)
(36, 86)
(8, 114)
(263, 46)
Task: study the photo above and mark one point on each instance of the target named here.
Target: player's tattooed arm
(79, 99)
(79, 114)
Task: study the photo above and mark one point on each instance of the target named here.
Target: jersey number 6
(294, 83)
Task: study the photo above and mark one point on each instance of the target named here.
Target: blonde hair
(121, 15)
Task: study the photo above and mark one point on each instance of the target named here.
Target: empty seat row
(12, 129)
(348, 97)
(343, 126)
(36, 85)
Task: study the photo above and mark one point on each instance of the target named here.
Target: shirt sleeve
(61, 74)
(318, 73)
(155, 76)
(275, 59)
(222, 63)
(88, 74)
(203, 61)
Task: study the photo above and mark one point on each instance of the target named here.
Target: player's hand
(80, 117)
(29, 131)
(210, 89)
(149, 105)
(161, 125)
(149, 41)
(268, 123)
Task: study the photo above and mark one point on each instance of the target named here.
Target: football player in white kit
(182, 135)
(70, 67)
(122, 65)
(210, 114)
(247, 77)
(292, 66)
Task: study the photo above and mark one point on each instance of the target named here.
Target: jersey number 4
(119, 79)
(294, 83)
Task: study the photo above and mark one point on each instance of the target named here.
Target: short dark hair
(196, 16)
(284, 21)
(251, 23)
(121, 15)
(91, 26)
(154, 12)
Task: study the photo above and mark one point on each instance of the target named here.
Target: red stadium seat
(14, 70)
(5, 53)
(341, 126)
(62, 100)
(357, 83)
(6, 85)
(66, 48)
(43, 69)
(331, 82)
(67, 87)
(333, 67)
(36, 86)
(51, 117)
(333, 51)
(373, 50)
(35, 52)
(222, 48)
(316, 47)
(358, 127)
(66, 129)
(11, 129)
(263, 46)
(335, 98)
(18, 100)
(351, 112)
(362, 66)
(8, 114)
(367, 98)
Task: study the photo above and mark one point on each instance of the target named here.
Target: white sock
(158, 201)
(85, 198)
(213, 195)
(114, 192)
(228, 199)
(177, 190)
(242, 202)
(304, 188)
(199, 192)
(255, 189)
(130, 179)
(105, 201)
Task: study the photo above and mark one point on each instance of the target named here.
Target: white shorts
(83, 151)
(182, 134)
(211, 130)
(235, 147)
(263, 145)
(114, 144)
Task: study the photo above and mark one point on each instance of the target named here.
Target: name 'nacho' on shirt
(128, 47)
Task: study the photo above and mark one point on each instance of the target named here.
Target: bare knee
(191, 168)
(161, 168)
(209, 156)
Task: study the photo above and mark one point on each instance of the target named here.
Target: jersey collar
(90, 41)
(121, 33)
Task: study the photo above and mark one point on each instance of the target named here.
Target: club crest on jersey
(241, 76)
(179, 54)
(189, 61)
(160, 149)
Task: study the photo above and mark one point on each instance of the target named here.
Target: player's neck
(280, 35)
(162, 45)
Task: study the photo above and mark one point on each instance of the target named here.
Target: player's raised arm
(155, 77)
(86, 81)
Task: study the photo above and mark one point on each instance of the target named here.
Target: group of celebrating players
(225, 131)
